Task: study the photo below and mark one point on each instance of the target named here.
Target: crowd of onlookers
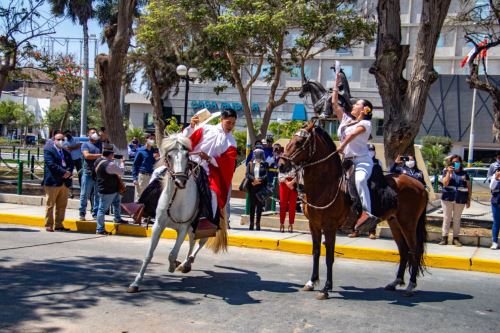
(100, 173)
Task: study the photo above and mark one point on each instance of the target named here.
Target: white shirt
(358, 147)
(256, 170)
(214, 143)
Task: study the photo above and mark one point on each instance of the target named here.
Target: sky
(61, 41)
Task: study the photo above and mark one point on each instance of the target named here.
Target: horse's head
(175, 152)
(300, 148)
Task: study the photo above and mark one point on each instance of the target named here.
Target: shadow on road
(19, 229)
(233, 287)
(396, 297)
(61, 288)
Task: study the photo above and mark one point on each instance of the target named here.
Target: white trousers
(363, 171)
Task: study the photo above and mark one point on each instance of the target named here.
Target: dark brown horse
(327, 207)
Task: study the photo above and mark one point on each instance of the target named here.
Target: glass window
(295, 73)
(379, 130)
(148, 122)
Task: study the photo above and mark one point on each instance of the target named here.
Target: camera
(404, 158)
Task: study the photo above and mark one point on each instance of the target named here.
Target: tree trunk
(404, 101)
(109, 72)
(235, 72)
(157, 103)
(85, 81)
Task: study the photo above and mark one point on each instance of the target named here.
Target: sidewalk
(463, 258)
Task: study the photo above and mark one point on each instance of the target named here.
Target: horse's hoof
(186, 269)
(132, 290)
(321, 296)
(307, 288)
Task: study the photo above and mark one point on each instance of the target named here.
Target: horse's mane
(171, 141)
(326, 137)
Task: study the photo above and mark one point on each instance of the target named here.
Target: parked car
(477, 174)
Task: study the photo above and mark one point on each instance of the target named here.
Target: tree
(21, 23)
(9, 112)
(481, 23)
(247, 36)
(109, 70)
(80, 10)
(65, 74)
(404, 100)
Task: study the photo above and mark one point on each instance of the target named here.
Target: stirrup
(366, 222)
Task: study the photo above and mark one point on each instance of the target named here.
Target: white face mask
(410, 164)
(151, 142)
(372, 153)
(95, 136)
(59, 143)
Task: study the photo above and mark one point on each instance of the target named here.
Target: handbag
(244, 185)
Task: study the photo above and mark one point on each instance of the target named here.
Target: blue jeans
(105, 200)
(88, 183)
(496, 222)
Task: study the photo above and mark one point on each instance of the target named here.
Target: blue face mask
(456, 165)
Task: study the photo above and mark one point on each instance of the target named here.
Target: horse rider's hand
(340, 150)
(204, 156)
(194, 120)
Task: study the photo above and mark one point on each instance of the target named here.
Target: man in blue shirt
(74, 147)
(91, 151)
(143, 166)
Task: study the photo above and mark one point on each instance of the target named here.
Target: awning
(299, 112)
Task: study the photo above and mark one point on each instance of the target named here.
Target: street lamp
(71, 118)
(187, 75)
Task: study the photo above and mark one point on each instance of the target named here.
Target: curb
(286, 245)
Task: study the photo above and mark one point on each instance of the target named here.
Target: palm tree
(82, 11)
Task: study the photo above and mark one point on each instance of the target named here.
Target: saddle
(382, 196)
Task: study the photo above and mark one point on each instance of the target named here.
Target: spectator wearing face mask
(257, 175)
(56, 181)
(91, 151)
(258, 145)
(143, 166)
(133, 147)
(407, 165)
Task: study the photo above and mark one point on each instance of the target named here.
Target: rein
(312, 151)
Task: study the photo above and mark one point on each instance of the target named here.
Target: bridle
(310, 146)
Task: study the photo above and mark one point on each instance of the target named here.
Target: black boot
(258, 226)
(251, 225)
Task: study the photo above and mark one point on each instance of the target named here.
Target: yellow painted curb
(485, 265)
(286, 245)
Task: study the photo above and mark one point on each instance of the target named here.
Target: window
(264, 70)
(148, 122)
(295, 73)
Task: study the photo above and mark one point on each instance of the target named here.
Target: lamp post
(71, 118)
(187, 75)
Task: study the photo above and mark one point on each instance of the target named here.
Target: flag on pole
(482, 54)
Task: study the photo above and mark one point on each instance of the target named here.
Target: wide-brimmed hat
(205, 116)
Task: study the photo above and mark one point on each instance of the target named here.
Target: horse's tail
(219, 242)
(422, 238)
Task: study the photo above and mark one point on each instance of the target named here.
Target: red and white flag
(482, 54)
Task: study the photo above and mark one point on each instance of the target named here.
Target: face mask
(410, 164)
(135, 142)
(95, 136)
(372, 153)
(456, 165)
(151, 142)
(59, 143)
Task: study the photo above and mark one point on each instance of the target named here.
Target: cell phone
(405, 158)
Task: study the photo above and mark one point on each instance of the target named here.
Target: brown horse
(327, 206)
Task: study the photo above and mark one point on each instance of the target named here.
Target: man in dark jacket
(57, 179)
(108, 176)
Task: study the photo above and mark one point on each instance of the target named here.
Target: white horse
(177, 208)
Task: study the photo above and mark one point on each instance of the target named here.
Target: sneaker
(443, 241)
(372, 235)
(94, 217)
(82, 218)
(494, 246)
(456, 242)
(104, 232)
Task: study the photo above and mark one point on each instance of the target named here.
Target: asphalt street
(71, 282)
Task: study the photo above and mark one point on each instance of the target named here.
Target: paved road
(69, 282)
